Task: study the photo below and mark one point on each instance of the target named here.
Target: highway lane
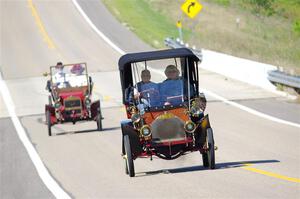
(119, 34)
(88, 164)
(74, 38)
(78, 158)
(21, 44)
(18, 177)
(24, 52)
(3, 110)
(284, 109)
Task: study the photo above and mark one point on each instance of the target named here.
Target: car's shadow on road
(219, 166)
(86, 131)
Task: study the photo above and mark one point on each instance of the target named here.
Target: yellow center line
(270, 174)
(40, 25)
(107, 98)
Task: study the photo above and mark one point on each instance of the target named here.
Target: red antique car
(70, 90)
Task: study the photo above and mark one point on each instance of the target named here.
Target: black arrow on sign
(189, 7)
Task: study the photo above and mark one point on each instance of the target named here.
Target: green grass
(270, 39)
(147, 23)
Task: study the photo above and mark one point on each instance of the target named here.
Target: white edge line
(250, 110)
(237, 105)
(119, 50)
(244, 108)
(47, 179)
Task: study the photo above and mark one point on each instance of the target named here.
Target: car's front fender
(200, 132)
(136, 147)
(51, 109)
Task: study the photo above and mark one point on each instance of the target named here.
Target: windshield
(159, 86)
(168, 92)
(73, 75)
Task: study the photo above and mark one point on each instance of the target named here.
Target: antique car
(70, 98)
(165, 117)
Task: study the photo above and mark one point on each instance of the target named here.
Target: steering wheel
(150, 92)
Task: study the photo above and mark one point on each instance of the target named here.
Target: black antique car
(70, 90)
(165, 118)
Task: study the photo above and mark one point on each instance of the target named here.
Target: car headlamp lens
(57, 105)
(146, 131)
(189, 126)
(87, 101)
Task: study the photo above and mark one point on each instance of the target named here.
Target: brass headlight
(57, 105)
(145, 131)
(88, 101)
(190, 126)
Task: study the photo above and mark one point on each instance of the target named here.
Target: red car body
(70, 99)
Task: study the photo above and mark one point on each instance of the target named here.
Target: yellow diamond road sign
(191, 8)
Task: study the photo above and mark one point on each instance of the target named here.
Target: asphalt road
(18, 178)
(87, 163)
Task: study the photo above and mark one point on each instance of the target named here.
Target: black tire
(126, 167)
(99, 119)
(99, 123)
(205, 160)
(211, 149)
(48, 120)
(129, 159)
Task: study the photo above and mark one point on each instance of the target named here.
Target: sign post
(179, 26)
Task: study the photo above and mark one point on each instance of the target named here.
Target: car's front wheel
(99, 119)
(211, 149)
(128, 157)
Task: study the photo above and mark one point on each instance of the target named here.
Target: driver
(60, 76)
(147, 91)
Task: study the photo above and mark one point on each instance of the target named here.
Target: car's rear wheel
(99, 119)
(128, 156)
(205, 160)
(48, 120)
(211, 149)
(99, 123)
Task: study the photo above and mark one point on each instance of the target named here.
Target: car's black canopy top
(129, 58)
(187, 58)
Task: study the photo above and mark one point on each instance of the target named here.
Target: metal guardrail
(179, 44)
(275, 76)
(279, 77)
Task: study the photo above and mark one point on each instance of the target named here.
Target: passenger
(171, 89)
(172, 73)
(77, 69)
(76, 77)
